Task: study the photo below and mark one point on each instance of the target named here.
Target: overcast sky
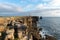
(30, 7)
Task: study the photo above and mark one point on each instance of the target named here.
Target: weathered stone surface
(31, 33)
(50, 38)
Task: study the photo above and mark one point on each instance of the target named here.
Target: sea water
(51, 26)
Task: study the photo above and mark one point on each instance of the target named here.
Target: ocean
(51, 25)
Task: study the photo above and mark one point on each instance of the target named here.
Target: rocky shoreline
(31, 33)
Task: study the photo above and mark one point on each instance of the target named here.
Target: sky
(30, 7)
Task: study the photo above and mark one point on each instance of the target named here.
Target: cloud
(8, 7)
(29, 6)
(53, 4)
(46, 0)
(41, 6)
(45, 8)
(52, 9)
(34, 0)
(46, 12)
(11, 10)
